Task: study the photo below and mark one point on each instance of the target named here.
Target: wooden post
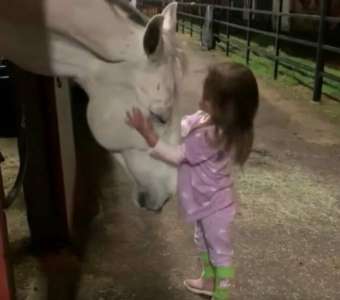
(7, 290)
(44, 188)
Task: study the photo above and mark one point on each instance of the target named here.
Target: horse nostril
(142, 199)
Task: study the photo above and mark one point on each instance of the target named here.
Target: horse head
(120, 60)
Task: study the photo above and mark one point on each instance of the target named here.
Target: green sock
(222, 284)
(208, 269)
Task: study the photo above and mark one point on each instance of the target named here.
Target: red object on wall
(6, 278)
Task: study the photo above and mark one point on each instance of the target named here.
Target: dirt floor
(286, 234)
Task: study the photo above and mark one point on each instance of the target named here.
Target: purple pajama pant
(212, 235)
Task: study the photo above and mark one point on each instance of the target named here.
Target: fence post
(191, 20)
(278, 25)
(183, 17)
(227, 45)
(177, 18)
(320, 62)
(215, 26)
(207, 41)
(250, 14)
(201, 23)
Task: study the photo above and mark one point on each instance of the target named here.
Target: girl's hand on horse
(137, 120)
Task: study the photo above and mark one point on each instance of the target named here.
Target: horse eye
(158, 86)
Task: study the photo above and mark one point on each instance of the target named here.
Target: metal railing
(186, 12)
(191, 19)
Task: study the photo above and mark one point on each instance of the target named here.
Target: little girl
(220, 133)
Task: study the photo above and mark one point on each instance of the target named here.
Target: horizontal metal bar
(192, 4)
(239, 9)
(269, 34)
(297, 65)
(191, 15)
(297, 41)
(333, 19)
(188, 27)
(245, 28)
(287, 63)
(330, 76)
(233, 41)
(261, 52)
(152, 2)
(331, 49)
(265, 12)
(232, 45)
(291, 66)
(284, 61)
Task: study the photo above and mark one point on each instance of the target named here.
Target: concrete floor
(286, 233)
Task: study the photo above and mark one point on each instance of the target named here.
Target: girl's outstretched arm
(173, 154)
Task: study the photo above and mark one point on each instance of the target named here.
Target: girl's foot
(222, 283)
(221, 291)
(205, 284)
(200, 286)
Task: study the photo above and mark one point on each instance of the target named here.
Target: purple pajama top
(205, 183)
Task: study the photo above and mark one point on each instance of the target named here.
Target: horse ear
(153, 41)
(160, 27)
(170, 17)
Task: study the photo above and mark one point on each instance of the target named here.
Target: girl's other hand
(143, 125)
(137, 120)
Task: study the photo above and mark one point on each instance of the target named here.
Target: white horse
(120, 63)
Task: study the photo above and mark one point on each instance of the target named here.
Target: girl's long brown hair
(232, 91)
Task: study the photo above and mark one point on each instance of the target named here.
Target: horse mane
(133, 14)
